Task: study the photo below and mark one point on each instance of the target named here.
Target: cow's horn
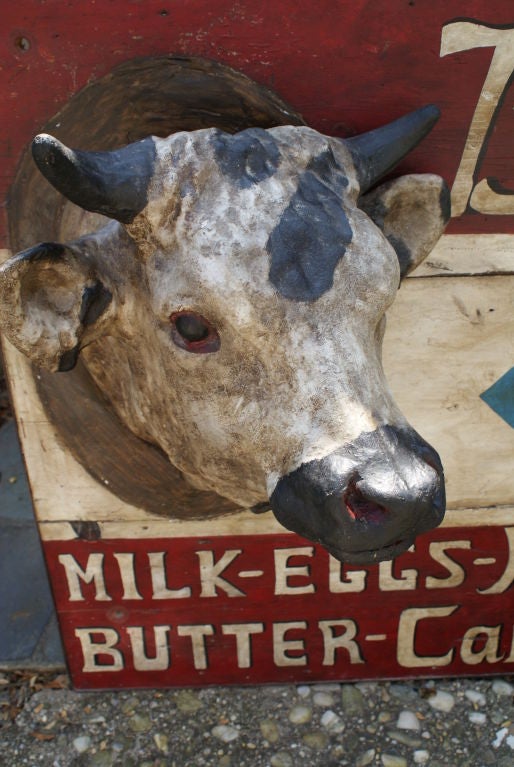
(113, 183)
(377, 152)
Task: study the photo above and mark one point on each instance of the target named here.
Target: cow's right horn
(113, 183)
(378, 151)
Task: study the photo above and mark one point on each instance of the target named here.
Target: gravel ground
(446, 723)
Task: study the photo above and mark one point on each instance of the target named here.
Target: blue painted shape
(500, 397)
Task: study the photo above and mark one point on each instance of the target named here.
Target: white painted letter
(242, 633)
(507, 577)
(93, 572)
(283, 572)
(142, 662)
(387, 582)
(489, 651)
(160, 590)
(341, 581)
(91, 649)
(197, 634)
(128, 576)
(282, 646)
(345, 641)
(457, 573)
(462, 36)
(407, 628)
(210, 573)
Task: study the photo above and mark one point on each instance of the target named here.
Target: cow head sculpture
(233, 314)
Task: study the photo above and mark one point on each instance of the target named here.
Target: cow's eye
(192, 332)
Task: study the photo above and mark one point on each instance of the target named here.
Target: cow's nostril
(360, 508)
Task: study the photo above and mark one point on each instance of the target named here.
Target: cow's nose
(368, 500)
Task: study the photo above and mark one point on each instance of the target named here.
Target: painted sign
(139, 604)
(270, 608)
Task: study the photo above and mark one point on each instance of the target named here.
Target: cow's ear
(412, 211)
(53, 302)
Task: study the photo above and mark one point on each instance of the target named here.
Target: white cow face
(234, 317)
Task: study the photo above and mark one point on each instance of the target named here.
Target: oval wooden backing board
(140, 98)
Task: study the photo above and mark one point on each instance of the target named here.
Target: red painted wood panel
(346, 66)
(443, 609)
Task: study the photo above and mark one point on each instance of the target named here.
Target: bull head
(234, 316)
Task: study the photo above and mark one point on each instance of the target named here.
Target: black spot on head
(312, 234)
(247, 157)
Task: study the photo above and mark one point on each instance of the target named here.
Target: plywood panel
(447, 341)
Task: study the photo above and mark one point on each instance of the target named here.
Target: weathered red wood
(464, 576)
(346, 67)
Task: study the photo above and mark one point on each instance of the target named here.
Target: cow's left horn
(113, 183)
(377, 152)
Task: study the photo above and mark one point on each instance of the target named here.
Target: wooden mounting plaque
(150, 600)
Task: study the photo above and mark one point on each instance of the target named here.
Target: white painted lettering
(456, 573)
(242, 633)
(342, 581)
(489, 651)
(344, 640)
(128, 576)
(283, 571)
(92, 573)
(210, 573)
(197, 635)
(407, 628)
(160, 590)
(142, 662)
(461, 36)
(406, 580)
(507, 577)
(283, 646)
(91, 650)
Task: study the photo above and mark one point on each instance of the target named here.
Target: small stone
(303, 691)
(352, 700)
(82, 743)
(384, 717)
(421, 756)
(323, 699)
(225, 733)
(332, 722)
(326, 687)
(130, 705)
(502, 688)
(300, 715)
(392, 760)
(407, 720)
(403, 691)
(224, 761)
(161, 741)
(140, 723)
(269, 730)
(188, 702)
(281, 759)
(366, 758)
(500, 737)
(315, 740)
(477, 717)
(102, 759)
(477, 698)
(405, 738)
(442, 701)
